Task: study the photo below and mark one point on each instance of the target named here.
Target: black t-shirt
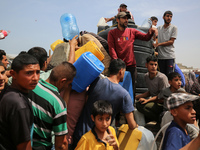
(16, 119)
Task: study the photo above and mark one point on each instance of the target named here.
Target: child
(102, 135)
(174, 80)
(181, 108)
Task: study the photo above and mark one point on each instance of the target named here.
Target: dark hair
(173, 75)
(168, 12)
(2, 52)
(23, 60)
(63, 70)
(101, 107)
(151, 58)
(40, 54)
(154, 18)
(115, 66)
(22, 52)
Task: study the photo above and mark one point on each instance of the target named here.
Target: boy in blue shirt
(102, 135)
(176, 136)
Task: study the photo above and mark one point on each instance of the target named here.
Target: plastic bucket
(88, 68)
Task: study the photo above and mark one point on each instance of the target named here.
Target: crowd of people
(39, 110)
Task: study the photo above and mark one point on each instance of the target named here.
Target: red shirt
(121, 44)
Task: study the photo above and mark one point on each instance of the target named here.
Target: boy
(156, 81)
(154, 20)
(102, 135)
(174, 79)
(181, 108)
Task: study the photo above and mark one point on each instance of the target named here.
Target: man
(3, 78)
(122, 8)
(156, 81)
(16, 116)
(50, 109)
(3, 58)
(120, 42)
(167, 34)
(41, 55)
(107, 89)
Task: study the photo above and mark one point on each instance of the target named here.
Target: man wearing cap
(121, 39)
(122, 8)
(176, 135)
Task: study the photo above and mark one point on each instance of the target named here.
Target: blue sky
(37, 22)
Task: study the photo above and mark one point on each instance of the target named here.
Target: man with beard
(167, 34)
(120, 42)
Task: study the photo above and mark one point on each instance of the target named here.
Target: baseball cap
(123, 14)
(177, 99)
(123, 5)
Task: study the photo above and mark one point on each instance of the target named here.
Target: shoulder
(161, 75)
(173, 26)
(13, 97)
(159, 27)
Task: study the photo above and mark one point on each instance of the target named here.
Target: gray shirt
(165, 93)
(156, 84)
(164, 35)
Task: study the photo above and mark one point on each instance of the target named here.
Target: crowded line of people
(40, 111)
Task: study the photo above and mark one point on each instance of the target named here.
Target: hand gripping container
(88, 68)
(89, 47)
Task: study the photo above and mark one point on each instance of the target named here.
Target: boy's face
(185, 113)
(175, 83)
(123, 8)
(27, 78)
(154, 22)
(102, 122)
(152, 66)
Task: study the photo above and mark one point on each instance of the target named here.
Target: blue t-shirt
(102, 89)
(175, 137)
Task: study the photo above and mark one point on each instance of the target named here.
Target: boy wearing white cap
(176, 136)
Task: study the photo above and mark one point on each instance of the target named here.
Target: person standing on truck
(120, 43)
(122, 8)
(167, 34)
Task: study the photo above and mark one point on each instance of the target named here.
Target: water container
(54, 44)
(89, 47)
(69, 26)
(88, 68)
(147, 23)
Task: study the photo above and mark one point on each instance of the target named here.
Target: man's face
(5, 61)
(154, 22)
(27, 78)
(175, 83)
(123, 8)
(185, 113)
(123, 22)
(2, 77)
(167, 18)
(152, 66)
